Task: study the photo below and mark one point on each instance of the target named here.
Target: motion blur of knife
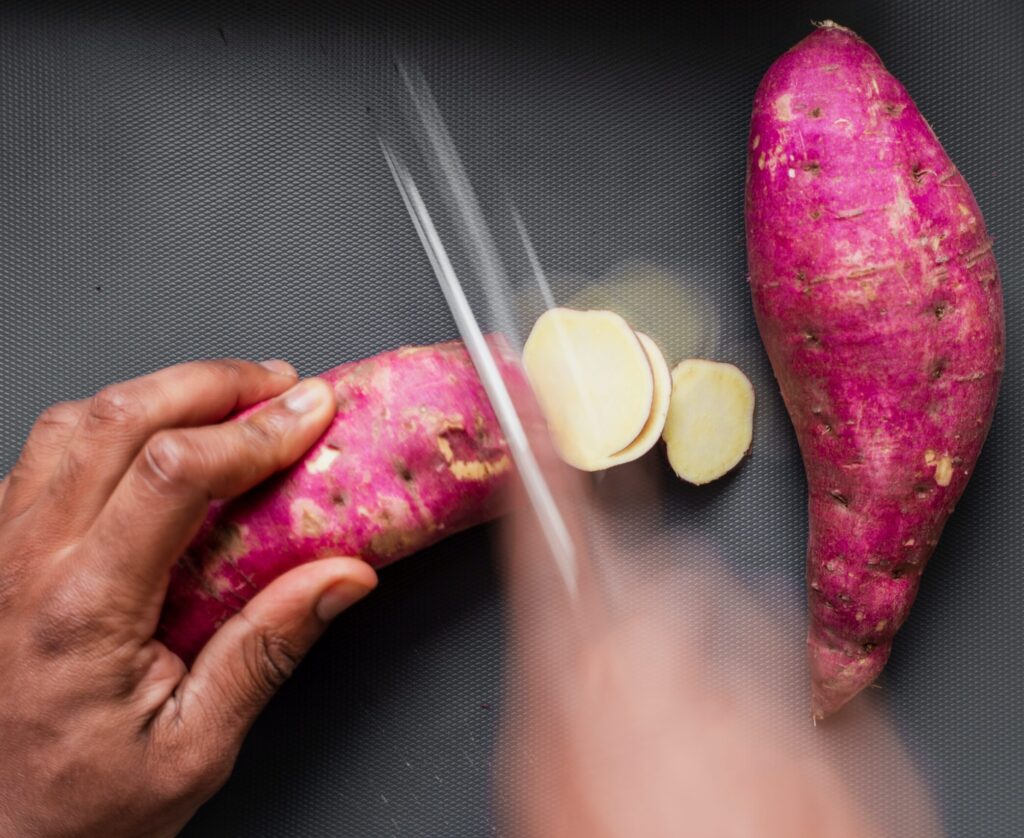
(538, 490)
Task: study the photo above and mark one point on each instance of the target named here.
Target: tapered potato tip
(835, 27)
(837, 675)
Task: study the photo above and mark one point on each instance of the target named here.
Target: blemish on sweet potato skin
(878, 299)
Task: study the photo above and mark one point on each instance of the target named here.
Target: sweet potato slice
(710, 420)
(593, 381)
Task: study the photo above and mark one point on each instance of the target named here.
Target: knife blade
(538, 490)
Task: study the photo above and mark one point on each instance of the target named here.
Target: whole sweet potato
(879, 302)
(414, 454)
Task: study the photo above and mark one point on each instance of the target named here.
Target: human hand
(624, 740)
(663, 697)
(104, 731)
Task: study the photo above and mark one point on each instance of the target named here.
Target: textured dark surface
(186, 180)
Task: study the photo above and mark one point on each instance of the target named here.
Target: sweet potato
(878, 300)
(414, 454)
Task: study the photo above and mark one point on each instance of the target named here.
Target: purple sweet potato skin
(414, 454)
(879, 302)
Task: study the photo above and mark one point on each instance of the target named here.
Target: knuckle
(232, 369)
(168, 461)
(118, 404)
(262, 436)
(51, 428)
(61, 627)
(266, 429)
(272, 660)
(58, 417)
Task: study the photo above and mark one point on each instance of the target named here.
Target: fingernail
(305, 396)
(339, 597)
(280, 367)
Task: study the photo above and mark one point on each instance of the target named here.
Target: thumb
(255, 652)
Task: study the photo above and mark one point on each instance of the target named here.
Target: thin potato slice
(651, 432)
(593, 382)
(710, 420)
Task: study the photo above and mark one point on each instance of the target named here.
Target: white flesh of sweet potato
(710, 420)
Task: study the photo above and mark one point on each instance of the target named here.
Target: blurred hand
(618, 743)
(673, 705)
(104, 731)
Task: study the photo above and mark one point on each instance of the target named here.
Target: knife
(538, 490)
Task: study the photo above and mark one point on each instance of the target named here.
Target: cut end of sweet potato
(710, 421)
(837, 675)
(594, 383)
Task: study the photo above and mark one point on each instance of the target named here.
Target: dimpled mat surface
(187, 180)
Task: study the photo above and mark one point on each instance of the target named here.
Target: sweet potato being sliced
(414, 454)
